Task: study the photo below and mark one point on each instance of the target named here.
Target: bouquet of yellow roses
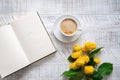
(83, 63)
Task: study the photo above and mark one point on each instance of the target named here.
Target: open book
(23, 42)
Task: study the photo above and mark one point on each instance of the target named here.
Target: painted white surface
(100, 21)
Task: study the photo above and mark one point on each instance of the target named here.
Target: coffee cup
(69, 26)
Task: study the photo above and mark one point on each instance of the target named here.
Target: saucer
(60, 36)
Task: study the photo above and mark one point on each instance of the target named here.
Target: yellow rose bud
(73, 66)
(76, 48)
(89, 46)
(80, 62)
(88, 70)
(86, 58)
(75, 55)
(97, 60)
(84, 49)
(80, 52)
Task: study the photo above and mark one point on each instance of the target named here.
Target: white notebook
(23, 42)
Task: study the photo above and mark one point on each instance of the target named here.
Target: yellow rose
(88, 70)
(76, 48)
(86, 58)
(80, 62)
(73, 66)
(97, 60)
(89, 46)
(75, 55)
(80, 52)
(84, 49)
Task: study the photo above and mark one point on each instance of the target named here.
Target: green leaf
(78, 76)
(70, 59)
(105, 68)
(91, 62)
(70, 73)
(93, 52)
(97, 76)
(75, 78)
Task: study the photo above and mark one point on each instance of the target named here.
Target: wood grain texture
(100, 22)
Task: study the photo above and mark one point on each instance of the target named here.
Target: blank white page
(33, 37)
(12, 57)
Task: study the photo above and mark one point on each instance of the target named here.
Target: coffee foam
(68, 26)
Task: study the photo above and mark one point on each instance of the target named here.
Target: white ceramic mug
(69, 22)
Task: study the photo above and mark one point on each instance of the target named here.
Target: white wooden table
(100, 21)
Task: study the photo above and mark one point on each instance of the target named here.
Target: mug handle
(79, 29)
